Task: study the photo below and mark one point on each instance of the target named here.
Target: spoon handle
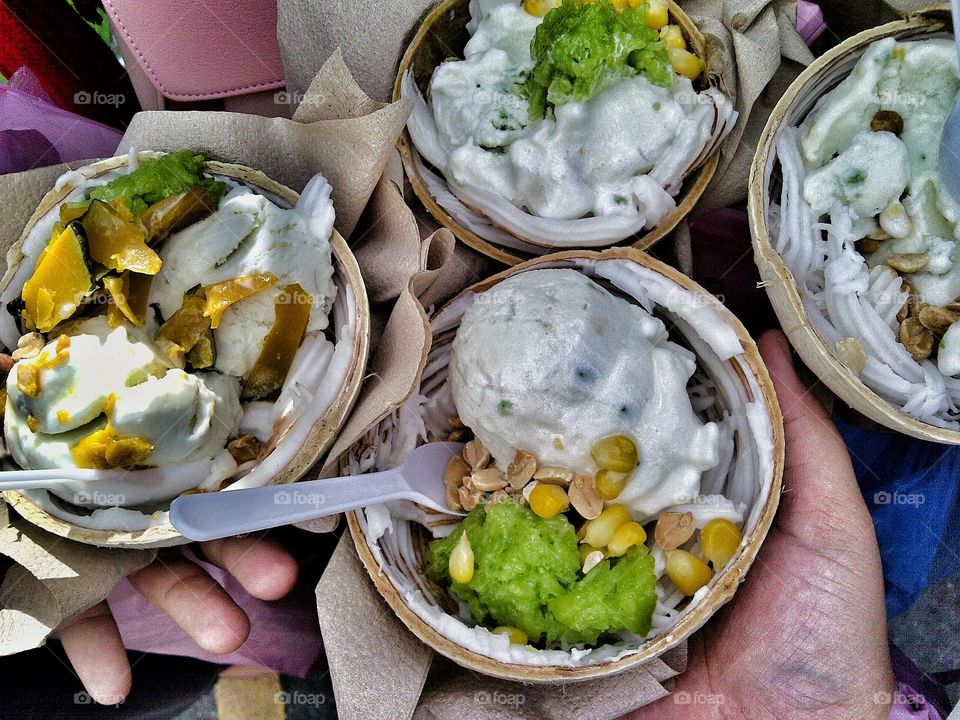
(30, 479)
(208, 516)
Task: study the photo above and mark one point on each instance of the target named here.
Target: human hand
(192, 599)
(806, 634)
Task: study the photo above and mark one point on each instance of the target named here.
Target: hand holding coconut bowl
(622, 462)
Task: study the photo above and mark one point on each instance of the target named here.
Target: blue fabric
(912, 489)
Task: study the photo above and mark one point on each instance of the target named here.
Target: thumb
(820, 489)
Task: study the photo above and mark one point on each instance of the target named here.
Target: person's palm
(805, 636)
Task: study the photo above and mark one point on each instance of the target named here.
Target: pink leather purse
(187, 51)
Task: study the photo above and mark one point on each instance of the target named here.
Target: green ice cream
(527, 575)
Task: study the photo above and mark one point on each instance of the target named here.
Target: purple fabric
(919, 693)
(910, 705)
(810, 24)
(35, 133)
(284, 635)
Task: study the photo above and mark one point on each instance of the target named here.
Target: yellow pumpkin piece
(292, 313)
(224, 294)
(116, 242)
(60, 281)
(115, 317)
(176, 212)
(105, 450)
(120, 205)
(72, 211)
(116, 286)
(138, 293)
(188, 324)
(204, 353)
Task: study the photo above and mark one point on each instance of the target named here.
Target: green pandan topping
(158, 179)
(581, 49)
(611, 598)
(527, 575)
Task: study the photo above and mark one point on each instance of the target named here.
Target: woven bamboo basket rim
(324, 430)
(694, 185)
(718, 595)
(777, 278)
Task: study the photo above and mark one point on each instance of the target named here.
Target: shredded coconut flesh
(590, 174)
(844, 180)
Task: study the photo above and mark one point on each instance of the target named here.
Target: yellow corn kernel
(688, 572)
(609, 483)
(657, 15)
(548, 501)
(539, 8)
(516, 635)
(461, 560)
(627, 535)
(672, 37)
(603, 526)
(615, 452)
(685, 62)
(720, 539)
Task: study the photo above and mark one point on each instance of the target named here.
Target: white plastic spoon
(55, 477)
(950, 139)
(208, 516)
(81, 477)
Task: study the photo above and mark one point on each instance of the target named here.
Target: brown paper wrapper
(452, 693)
(52, 581)
(377, 666)
(759, 39)
(339, 132)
